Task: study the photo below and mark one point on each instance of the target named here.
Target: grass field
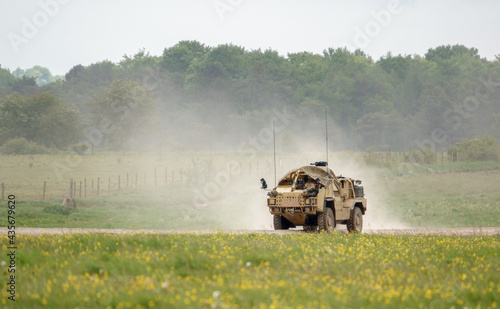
(438, 195)
(256, 271)
(449, 199)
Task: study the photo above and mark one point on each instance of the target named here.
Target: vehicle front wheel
(280, 223)
(355, 223)
(326, 220)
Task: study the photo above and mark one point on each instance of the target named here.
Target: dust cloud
(246, 202)
(300, 140)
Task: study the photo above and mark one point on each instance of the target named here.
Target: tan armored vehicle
(312, 196)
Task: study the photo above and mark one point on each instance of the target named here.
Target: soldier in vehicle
(314, 188)
(310, 183)
(318, 184)
(300, 184)
(263, 183)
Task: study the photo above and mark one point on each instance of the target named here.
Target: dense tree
(141, 66)
(82, 81)
(227, 61)
(398, 101)
(75, 72)
(139, 60)
(123, 112)
(5, 77)
(377, 128)
(100, 72)
(18, 73)
(42, 75)
(42, 118)
(24, 85)
(396, 66)
(179, 57)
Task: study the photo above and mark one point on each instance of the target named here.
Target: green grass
(439, 168)
(469, 199)
(255, 271)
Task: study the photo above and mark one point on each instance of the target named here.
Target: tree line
(196, 97)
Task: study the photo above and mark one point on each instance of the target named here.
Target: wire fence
(191, 174)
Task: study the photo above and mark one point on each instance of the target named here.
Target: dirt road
(442, 231)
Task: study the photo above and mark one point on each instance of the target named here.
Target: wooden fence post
(3, 190)
(98, 185)
(80, 189)
(118, 182)
(85, 186)
(44, 187)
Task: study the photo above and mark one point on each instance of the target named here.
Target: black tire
(326, 220)
(311, 223)
(355, 223)
(280, 223)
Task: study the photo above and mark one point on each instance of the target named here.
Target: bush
(22, 146)
(80, 148)
(483, 148)
(58, 210)
(422, 156)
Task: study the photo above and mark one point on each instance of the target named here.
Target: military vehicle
(314, 197)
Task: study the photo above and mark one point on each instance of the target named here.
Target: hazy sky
(60, 34)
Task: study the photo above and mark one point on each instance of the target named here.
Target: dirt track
(443, 231)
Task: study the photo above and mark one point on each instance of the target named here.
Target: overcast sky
(60, 34)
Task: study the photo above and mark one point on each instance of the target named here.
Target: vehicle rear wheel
(280, 223)
(326, 220)
(355, 223)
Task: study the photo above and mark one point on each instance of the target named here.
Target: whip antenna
(274, 143)
(326, 136)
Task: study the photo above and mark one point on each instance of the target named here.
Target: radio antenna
(274, 143)
(326, 136)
